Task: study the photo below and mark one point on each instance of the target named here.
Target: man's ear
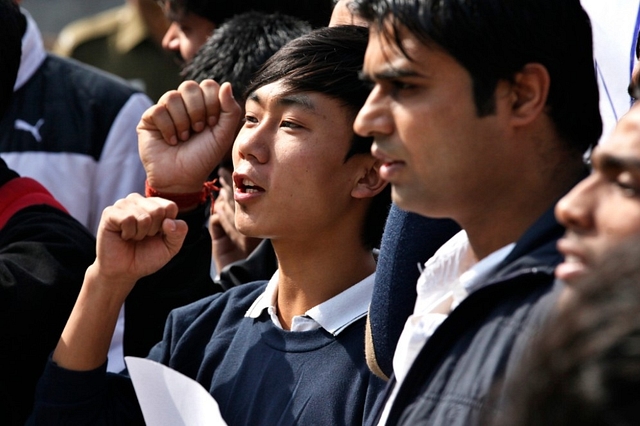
(528, 93)
(369, 182)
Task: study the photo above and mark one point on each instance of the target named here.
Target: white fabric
(33, 53)
(446, 280)
(333, 315)
(436, 284)
(614, 35)
(119, 171)
(115, 356)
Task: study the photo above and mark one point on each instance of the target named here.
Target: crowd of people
(376, 212)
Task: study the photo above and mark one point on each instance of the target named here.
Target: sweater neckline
(298, 341)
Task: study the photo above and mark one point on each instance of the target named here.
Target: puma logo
(34, 130)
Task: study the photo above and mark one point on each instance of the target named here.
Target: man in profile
(489, 131)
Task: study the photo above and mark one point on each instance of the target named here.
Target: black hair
(584, 367)
(316, 12)
(494, 39)
(241, 45)
(328, 61)
(12, 27)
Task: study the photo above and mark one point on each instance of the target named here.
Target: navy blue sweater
(258, 373)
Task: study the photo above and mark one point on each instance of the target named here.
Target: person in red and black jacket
(43, 255)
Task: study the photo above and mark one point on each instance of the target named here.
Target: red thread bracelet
(188, 199)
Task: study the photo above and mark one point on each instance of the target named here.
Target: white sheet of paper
(169, 398)
(614, 35)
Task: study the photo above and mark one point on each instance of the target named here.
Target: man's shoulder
(84, 77)
(49, 224)
(474, 350)
(217, 316)
(535, 252)
(20, 193)
(73, 107)
(484, 337)
(233, 302)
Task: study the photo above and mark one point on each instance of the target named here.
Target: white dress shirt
(447, 279)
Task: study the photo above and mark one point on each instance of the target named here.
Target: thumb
(230, 113)
(217, 231)
(228, 105)
(174, 231)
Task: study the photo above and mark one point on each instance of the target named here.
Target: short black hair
(329, 61)
(316, 12)
(241, 45)
(12, 27)
(494, 39)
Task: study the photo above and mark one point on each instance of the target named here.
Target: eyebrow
(388, 74)
(608, 163)
(295, 99)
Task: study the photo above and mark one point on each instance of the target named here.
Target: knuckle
(188, 85)
(168, 97)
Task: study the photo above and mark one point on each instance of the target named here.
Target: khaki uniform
(118, 41)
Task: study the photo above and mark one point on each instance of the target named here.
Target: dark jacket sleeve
(95, 397)
(85, 398)
(43, 257)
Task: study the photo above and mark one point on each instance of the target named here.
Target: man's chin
(406, 199)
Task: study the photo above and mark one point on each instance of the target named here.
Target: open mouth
(574, 265)
(246, 186)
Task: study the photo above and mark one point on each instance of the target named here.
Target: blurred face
(290, 177)
(439, 156)
(186, 34)
(604, 209)
(153, 16)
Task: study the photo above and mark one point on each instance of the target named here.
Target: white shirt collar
(442, 271)
(33, 53)
(334, 315)
(447, 279)
(454, 269)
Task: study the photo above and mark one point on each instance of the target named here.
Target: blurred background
(52, 15)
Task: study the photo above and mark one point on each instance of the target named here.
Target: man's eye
(628, 190)
(401, 85)
(250, 119)
(628, 185)
(290, 125)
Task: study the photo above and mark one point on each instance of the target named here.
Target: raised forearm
(87, 335)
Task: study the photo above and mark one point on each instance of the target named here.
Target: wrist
(186, 201)
(111, 290)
